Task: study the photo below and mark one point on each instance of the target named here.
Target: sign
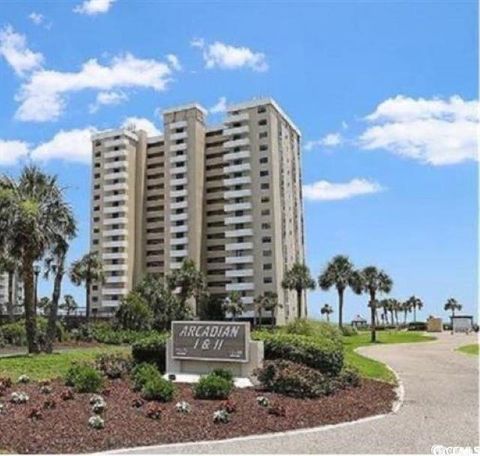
(211, 341)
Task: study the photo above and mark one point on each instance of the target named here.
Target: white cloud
(36, 18)
(93, 7)
(434, 131)
(227, 57)
(331, 191)
(140, 123)
(219, 107)
(12, 151)
(13, 48)
(42, 97)
(330, 140)
(72, 145)
(174, 62)
(108, 99)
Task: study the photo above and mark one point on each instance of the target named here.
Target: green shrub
(349, 376)
(224, 373)
(292, 379)
(159, 389)
(143, 372)
(14, 333)
(417, 326)
(113, 365)
(151, 350)
(134, 313)
(84, 378)
(314, 329)
(320, 353)
(212, 386)
(349, 330)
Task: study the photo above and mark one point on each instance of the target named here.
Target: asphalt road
(440, 408)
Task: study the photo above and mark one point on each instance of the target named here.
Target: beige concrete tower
(228, 197)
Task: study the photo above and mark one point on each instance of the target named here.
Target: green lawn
(369, 367)
(43, 366)
(472, 349)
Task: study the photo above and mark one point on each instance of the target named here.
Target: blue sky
(385, 94)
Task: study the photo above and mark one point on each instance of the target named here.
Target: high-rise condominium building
(16, 285)
(228, 197)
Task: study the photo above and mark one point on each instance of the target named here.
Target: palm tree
(33, 215)
(452, 304)
(326, 310)
(396, 307)
(415, 303)
(9, 265)
(338, 273)
(384, 304)
(269, 302)
(299, 279)
(372, 281)
(69, 305)
(234, 305)
(190, 282)
(405, 308)
(87, 270)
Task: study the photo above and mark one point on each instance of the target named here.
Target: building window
(263, 160)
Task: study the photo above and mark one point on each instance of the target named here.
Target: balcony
(237, 181)
(122, 153)
(179, 205)
(239, 233)
(239, 246)
(177, 136)
(178, 241)
(116, 175)
(115, 256)
(239, 273)
(177, 147)
(115, 221)
(237, 207)
(178, 253)
(114, 244)
(115, 267)
(238, 219)
(239, 259)
(234, 118)
(116, 232)
(114, 164)
(236, 143)
(115, 198)
(178, 170)
(178, 158)
(178, 193)
(178, 124)
(115, 209)
(243, 286)
(179, 229)
(178, 217)
(237, 193)
(116, 142)
(236, 155)
(236, 168)
(115, 187)
(110, 303)
(181, 181)
(236, 130)
(115, 279)
(114, 291)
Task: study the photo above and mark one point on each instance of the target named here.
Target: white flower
(2, 407)
(183, 407)
(263, 401)
(23, 379)
(96, 422)
(96, 398)
(98, 403)
(221, 416)
(19, 398)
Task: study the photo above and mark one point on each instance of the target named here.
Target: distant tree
(385, 305)
(326, 310)
(234, 305)
(452, 304)
(298, 278)
(338, 273)
(372, 281)
(134, 313)
(189, 281)
(87, 270)
(44, 305)
(69, 305)
(165, 305)
(211, 308)
(268, 302)
(406, 308)
(415, 303)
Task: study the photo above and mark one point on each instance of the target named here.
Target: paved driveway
(440, 408)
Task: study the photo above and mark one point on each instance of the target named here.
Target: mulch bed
(65, 429)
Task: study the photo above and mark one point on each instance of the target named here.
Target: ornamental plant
(84, 378)
(137, 402)
(23, 379)
(46, 389)
(98, 404)
(49, 404)
(221, 416)
(3, 408)
(263, 401)
(153, 411)
(113, 365)
(19, 397)
(183, 407)
(66, 395)
(277, 410)
(35, 414)
(157, 388)
(143, 372)
(96, 422)
(212, 386)
(229, 405)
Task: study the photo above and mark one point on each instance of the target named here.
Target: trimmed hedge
(319, 353)
(158, 389)
(15, 333)
(143, 372)
(151, 350)
(84, 378)
(293, 379)
(213, 386)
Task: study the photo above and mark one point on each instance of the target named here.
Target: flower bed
(65, 427)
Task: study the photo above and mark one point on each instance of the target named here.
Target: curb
(396, 406)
